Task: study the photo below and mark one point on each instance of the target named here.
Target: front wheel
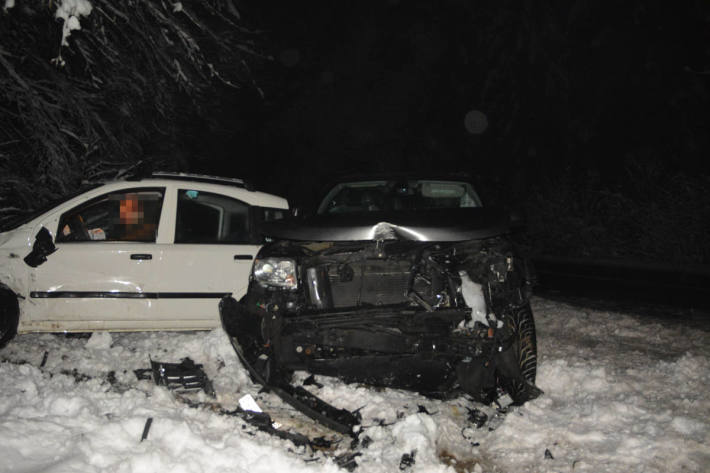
(524, 328)
(9, 316)
(521, 385)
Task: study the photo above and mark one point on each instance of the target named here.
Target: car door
(211, 255)
(102, 271)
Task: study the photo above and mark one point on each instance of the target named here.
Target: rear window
(208, 218)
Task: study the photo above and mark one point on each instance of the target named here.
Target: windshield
(390, 195)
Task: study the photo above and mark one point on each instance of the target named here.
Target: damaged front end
(438, 318)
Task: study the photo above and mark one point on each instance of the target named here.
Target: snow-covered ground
(622, 393)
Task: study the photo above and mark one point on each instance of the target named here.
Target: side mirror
(43, 247)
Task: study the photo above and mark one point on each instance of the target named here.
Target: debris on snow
(407, 460)
(182, 377)
(633, 400)
(248, 403)
(146, 429)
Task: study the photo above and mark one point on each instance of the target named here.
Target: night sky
(590, 118)
(583, 88)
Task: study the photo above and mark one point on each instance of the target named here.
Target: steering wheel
(79, 232)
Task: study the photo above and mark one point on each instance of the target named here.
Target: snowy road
(622, 393)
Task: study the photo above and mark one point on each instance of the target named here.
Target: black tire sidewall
(9, 316)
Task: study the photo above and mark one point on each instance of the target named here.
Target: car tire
(524, 328)
(9, 316)
(522, 387)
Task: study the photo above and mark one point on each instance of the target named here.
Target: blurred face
(131, 210)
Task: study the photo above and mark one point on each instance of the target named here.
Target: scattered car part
(407, 460)
(477, 417)
(263, 422)
(182, 377)
(248, 403)
(146, 428)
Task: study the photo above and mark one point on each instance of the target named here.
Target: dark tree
(89, 91)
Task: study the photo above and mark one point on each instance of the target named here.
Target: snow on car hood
(430, 225)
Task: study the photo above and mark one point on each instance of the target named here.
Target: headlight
(279, 272)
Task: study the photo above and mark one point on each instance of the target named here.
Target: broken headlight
(276, 272)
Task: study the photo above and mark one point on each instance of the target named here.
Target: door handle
(141, 256)
(243, 257)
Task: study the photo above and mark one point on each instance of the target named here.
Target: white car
(147, 254)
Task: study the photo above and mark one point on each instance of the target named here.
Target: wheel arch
(9, 314)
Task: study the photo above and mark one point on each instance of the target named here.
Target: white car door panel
(211, 255)
(202, 274)
(111, 283)
(104, 265)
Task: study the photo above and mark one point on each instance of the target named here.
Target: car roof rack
(181, 176)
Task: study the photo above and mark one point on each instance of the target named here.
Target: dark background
(565, 85)
(597, 112)
(598, 122)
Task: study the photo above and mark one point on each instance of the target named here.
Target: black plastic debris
(44, 359)
(146, 429)
(407, 460)
(340, 420)
(477, 417)
(366, 441)
(111, 377)
(347, 460)
(548, 454)
(78, 377)
(311, 381)
(262, 421)
(321, 443)
(183, 377)
(363, 441)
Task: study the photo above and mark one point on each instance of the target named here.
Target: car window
(205, 217)
(125, 215)
(374, 196)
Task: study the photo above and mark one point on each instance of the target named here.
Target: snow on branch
(123, 76)
(70, 11)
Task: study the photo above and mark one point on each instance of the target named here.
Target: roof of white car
(204, 178)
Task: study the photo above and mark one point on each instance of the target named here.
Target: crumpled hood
(428, 225)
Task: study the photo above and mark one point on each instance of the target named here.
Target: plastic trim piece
(126, 295)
